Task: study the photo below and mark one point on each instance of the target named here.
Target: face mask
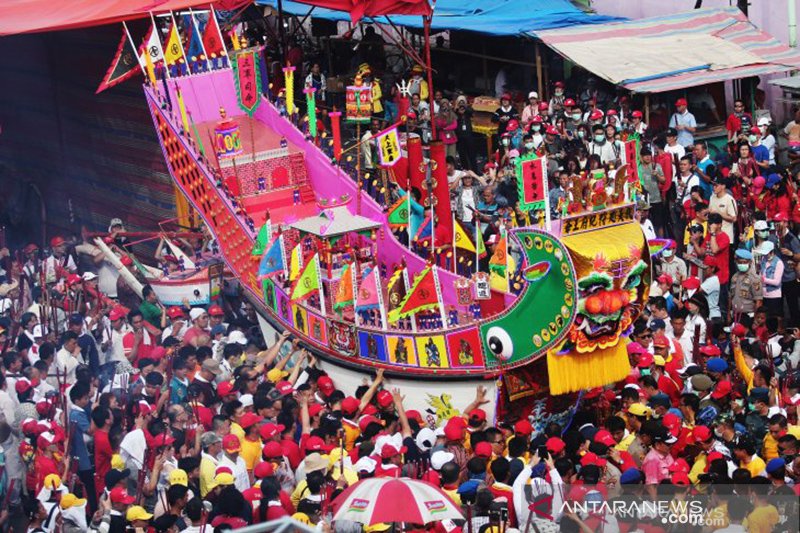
(536, 128)
(559, 92)
(618, 127)
(576, 117)
(505, 142)
(581, 134)
(751, 406)
(752, 139)
(529, 146)
(599, 138)
(644, 372)
(718, 433)
(742, 267)
(763, 233)
(667, 253)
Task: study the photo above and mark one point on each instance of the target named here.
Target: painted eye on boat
(499, 342)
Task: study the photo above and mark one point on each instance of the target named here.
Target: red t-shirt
(102, 458)
(292, 452)
(145, 346)
(44, 466)
(722, 257)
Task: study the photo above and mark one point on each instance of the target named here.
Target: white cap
(365, 464)
(765, 247)
(441, 458)
(88, 276)
(238, 337)
(764, 121)
(196, 313)
(533, 94)
(246, 399)
(426, 438)
(760, 225)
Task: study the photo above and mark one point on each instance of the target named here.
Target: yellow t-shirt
(208, 469)
(237, 430)
(762, 519)
(251, 452)
(623, 445)
(756, 466)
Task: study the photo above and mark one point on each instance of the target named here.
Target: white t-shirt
(710, 288)
(468, 203)
(769, 143)
(107, 275)
(724, 206)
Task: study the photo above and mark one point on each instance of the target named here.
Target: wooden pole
(647, 109)
(539, 79)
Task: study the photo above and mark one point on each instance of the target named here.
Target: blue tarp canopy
(494, 17)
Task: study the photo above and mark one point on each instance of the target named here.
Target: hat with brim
(315, 462)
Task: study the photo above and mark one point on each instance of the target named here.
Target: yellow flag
(307, 282)
(173, 50)
(182, 108)
(294, 262)
(464, 241)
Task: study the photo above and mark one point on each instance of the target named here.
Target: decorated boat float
(318, 256)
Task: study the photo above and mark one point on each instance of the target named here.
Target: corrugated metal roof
(648, 38)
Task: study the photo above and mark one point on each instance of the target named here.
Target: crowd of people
(183, 418)
(118, 412)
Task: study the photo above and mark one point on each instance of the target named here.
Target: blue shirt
(79, 422)
(89, 352)
(760, 153)
(708, 188)
(685, 138)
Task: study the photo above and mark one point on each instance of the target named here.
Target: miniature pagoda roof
(334, 222)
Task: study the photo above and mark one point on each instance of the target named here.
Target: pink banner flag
(367, 296)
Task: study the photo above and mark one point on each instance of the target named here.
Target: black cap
(115, 476)
(672, 132)
(75, 319)
(659, 399)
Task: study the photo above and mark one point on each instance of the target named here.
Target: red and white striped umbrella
(384, 499)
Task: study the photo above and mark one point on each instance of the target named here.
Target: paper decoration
(483, 290)
(424, 295)
(247, 78)
(173, 51)
(358, 103)
(288, 84)
(307, 282)
(311, 111)
(389, 147)
(274, 261)
(531, 182)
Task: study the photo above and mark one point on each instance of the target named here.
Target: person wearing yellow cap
(138, 517)
(73, 513)
(177, 477)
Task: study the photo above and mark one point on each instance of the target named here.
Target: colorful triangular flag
(195, 47)
(211, 38)
(425, 230)
(498, 262)
(151, 46)
(173, 50)
(464, 241)
(344, 295)
(124, 65)
(262, 239)
(398, 215)
(272, 262)
(295, 261)
(424, 295)
(307, 282)
(368, 294)
(396, 289)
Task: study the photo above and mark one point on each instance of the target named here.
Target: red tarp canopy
(359, 9)
(27, 16)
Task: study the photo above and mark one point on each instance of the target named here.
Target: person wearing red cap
(684, 123)
(637, 125)
(556, 105)
(454, 433)
(788, 250)
(231, 447)
(59, 264)
(504, 114)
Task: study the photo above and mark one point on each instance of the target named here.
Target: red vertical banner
(632, 160)
(531, 182)
(337, 133)
(247, 76)
(441, 191)
(416, 169)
